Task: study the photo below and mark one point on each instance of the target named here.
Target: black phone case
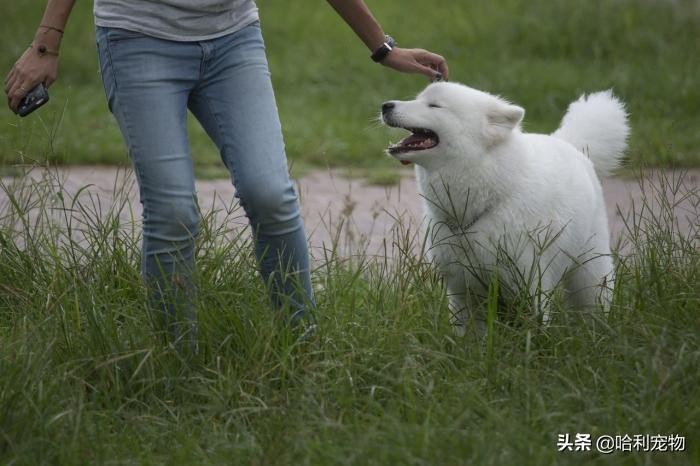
(33, 100)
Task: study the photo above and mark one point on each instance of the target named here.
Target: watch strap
(383, 50)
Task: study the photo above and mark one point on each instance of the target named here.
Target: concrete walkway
(349, 214)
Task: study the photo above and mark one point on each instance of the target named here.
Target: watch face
(379, 54)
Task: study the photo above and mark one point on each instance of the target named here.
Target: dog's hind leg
(462, 303)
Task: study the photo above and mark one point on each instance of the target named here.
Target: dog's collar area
(463, 228)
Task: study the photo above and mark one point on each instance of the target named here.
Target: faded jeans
(150, 84)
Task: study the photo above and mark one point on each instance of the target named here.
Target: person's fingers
(428, 66)
(15, 96)
(10, 74)
(21, 85)
(419, 61)
(427, 71)
(437, 62)
(9, 85)
(20, 78)
(27, 72)
(11, 93)
(10, 80)
(444, 70)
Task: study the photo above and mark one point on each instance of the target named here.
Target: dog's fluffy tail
(597, 126)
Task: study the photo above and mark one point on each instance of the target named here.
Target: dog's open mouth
(420, 139)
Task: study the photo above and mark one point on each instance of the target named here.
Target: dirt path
(356, 216)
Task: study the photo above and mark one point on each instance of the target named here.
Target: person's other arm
(39, 63)
(361, 20)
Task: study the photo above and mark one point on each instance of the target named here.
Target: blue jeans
(150, 83)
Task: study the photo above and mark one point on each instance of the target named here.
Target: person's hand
(417, 61)
(29, 70)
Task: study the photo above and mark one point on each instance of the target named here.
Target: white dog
(526, 206)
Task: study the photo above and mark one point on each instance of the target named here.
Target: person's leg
(147, 82)
(236, 105)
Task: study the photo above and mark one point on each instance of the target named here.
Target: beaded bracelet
(43, 50)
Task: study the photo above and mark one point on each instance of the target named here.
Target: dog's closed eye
(431, 105)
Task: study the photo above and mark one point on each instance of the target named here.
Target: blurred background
(540, 54)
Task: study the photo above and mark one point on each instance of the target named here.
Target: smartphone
(33, 100)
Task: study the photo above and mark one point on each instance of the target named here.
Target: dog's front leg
(462, 305)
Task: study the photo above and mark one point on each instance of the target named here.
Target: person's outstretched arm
(39, 63)
(361, 20)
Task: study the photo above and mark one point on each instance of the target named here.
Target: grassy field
(85, 380)
(540, 54)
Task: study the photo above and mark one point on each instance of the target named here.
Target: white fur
(597, 126)
(529, 206)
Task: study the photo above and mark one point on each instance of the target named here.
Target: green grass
(85, 379)
(541, 54)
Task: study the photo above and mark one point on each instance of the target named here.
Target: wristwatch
(384, 49)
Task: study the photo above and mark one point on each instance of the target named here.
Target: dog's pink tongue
(405, 162)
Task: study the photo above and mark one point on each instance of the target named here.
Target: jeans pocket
(105, 62)
(115, 35)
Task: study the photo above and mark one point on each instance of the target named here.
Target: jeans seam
(203, 62)
(125, 135)
(125, 118)
(224, 145)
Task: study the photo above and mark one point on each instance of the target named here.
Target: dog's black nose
(387, 106)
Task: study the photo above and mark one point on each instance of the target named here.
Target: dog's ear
(502, 120)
